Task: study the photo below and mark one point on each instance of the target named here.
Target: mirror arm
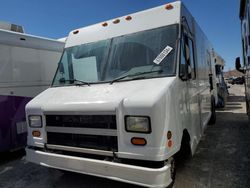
(183, 77)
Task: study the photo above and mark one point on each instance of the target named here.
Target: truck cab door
(188, 75)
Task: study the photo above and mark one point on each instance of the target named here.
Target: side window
(183, 65)
(191, 56)
(209, 61)
(63, 70)
(187, 64)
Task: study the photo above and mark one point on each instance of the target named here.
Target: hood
(99, 97)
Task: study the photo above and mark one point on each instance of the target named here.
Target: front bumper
(148, 177)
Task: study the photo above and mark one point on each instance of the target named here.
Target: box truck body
(128, 95)
(27, 66)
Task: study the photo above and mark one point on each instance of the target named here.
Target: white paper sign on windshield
(163, 54)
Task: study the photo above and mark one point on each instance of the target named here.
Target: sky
(56, 18)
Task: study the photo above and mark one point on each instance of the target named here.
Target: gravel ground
(222, 159)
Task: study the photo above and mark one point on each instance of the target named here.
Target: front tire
(172, 171)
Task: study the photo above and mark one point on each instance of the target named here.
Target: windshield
(144, 54)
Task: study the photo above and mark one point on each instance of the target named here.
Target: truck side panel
(245, 32)
(24, 73)
(198, 86)
(204, 62)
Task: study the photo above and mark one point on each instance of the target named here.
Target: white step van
(128, 94)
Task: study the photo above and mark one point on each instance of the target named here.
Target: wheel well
(185, 149)
(185, 136)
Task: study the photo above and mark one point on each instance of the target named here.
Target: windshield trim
(175, 58)
(123, 80)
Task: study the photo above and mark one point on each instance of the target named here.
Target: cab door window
(187, 64)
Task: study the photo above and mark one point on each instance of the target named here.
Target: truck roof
(144, 20)
(30, 41)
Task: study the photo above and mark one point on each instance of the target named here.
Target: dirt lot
(221, 160)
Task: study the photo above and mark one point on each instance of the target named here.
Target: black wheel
(172, 171)
(213, 116)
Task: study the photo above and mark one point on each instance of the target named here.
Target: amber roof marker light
(105, 24)
(116, 21)
(75, 32)
(128, 18)
(169, 6)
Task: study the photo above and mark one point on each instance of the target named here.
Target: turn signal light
(138, 141)
(170, 143)
(169, 7)
(36, 133)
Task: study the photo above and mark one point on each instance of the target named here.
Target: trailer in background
(27, 66)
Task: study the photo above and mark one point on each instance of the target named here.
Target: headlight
(138, 124)
(35, 121)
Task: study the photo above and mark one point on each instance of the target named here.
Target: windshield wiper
(136, 74)
(80, 82)
(76, 81)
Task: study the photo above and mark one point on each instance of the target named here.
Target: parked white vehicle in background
(220, 84)
(128, 95)
(27, 66)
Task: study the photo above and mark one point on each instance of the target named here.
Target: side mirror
(238, 65)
